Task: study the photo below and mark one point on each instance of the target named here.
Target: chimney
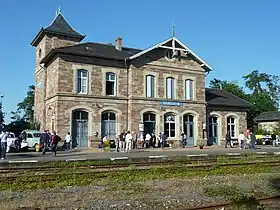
(119, 44)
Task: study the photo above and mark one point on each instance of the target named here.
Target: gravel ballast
(158, 194)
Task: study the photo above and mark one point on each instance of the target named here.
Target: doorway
(80, 128)
(189, 129)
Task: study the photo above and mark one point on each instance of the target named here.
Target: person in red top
(54, 141)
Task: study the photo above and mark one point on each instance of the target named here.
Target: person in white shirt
(147, 140)
(68, 140)
(241, 140)
(128, 141)
(3, 138)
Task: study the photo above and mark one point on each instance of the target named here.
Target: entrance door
(108, 125)
(213, 130)
(189, 129)
(149, 120)
(80, 129)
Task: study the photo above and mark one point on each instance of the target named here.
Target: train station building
(89, 87)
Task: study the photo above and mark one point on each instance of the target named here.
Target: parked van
(33, 139)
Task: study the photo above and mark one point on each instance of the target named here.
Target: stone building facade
(84, 88)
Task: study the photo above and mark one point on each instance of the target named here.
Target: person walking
(67, 140)
(252, 141)
(117, 143)
(241, 140)
(154, 140)
(183, 143)
(122, 142)
(54, 142)
(45, 139)
(228, 140)
(162, 140)
(3, 137)
(128, 141)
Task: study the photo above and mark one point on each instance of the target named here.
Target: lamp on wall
(99, 106)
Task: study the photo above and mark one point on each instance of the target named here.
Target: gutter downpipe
(127, 68)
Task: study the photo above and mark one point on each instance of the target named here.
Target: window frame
(111, 80)
(150, 89)
(230, 124)
(172, 88)
(189, 90)
(169, 129)
(81, 78)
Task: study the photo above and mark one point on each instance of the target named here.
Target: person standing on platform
(128, 141)
(228, 140)
(67, 140)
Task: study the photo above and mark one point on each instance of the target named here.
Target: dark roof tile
(218, 97)
(92, 49)
(268, 116)
(60, 27)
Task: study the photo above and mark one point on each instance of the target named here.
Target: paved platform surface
(91, 154)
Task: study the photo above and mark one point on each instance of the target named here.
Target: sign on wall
(39, 84)
(171, 103)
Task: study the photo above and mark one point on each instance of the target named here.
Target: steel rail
(228, 204)
(112, 165)
(97, 173)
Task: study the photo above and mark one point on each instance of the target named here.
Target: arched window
(231, 126)
(108, 125)
(82, 81)
(169, 87)
(111, 84)
(169, 125)
(189, 89)
(150, 86)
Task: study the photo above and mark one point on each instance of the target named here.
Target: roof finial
(58, 11)
(173, 30)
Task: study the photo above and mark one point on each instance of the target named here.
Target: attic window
(40, 53)
(89, 48)
(168, 54)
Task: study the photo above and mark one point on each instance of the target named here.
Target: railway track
(111, 165)
(99, 171)
(226, 205)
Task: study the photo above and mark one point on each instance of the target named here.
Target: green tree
(26, 107)
(265, 92)
(2, 116)
(264, 86)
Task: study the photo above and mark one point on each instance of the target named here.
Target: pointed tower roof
(58, 27)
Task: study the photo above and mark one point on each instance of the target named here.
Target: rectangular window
(170, 88)
(150, 86)
(110, 84)
(82, 81)
(188, 89)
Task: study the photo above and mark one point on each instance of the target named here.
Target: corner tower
(58, 34)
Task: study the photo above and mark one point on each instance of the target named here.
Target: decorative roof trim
(173, 39)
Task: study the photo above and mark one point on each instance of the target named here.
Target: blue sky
(234, 37)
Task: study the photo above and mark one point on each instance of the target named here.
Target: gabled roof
(59, 27)
(91, 49)
(268, 117)
(219, 97)
(175, 45)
